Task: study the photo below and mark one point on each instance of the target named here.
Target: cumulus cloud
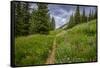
(62, 13)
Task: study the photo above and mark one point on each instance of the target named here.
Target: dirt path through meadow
(51, 58)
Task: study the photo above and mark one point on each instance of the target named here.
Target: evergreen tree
(75, 19)
(39, 20)
(77, 15)
(26, 18)
(95, 14)
(53, 24)
(49, 21)
(71, 22)
(42, 22)
(84, 18)
(90, 15)
(18, 19)
(33, 22)
(78, 18)
(21, 18)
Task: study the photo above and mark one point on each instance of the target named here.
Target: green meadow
(77, 44)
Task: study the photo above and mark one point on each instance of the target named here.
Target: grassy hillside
(32, 50)
(78, 44)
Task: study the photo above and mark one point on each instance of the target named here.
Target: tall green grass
(32, 50)
(57, 31)
(78, 44)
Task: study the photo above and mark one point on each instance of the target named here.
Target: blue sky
(61, 13)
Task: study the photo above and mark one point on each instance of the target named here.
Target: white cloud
(62, 18)
(61, 15)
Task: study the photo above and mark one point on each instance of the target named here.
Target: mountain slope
(78, 44)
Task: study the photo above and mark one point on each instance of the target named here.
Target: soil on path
(51, 57)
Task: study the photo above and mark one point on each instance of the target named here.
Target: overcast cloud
(62, 13)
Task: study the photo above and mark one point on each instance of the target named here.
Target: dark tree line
(21, 18)
(39, 21)
(78, 18)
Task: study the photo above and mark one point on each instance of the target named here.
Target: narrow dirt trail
(61, 33)
(51, 58)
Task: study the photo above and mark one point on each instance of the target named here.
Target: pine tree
(84, 18)
(53, 24)
(21, 18)
(40, 20)
(77, 15)
(26, 18)
(90, 15)
(71, 22)
(95, 14)
(49, 21)
(43, 23)
(75, 19)
(18, 19)
(32, 21)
